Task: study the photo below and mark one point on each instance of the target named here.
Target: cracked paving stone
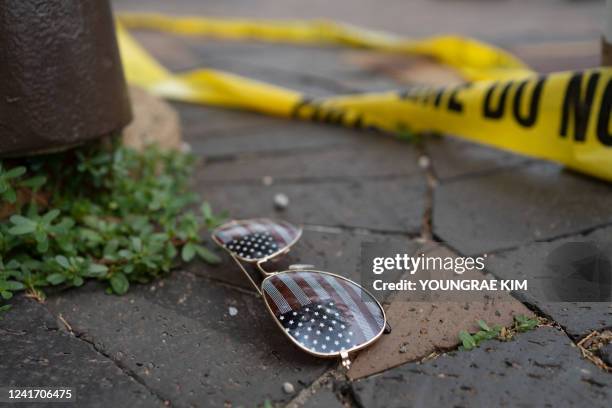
(453, 158)
(177, 336)
(422, 327)
(529, 262)
(37, 352)
(539, 368)
(371, 157)
(338, 252)
(381, 205)
(515, 206)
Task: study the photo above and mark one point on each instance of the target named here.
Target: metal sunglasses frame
(344, 355)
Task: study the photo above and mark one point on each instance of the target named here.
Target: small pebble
(281, 201)
(424, 162)
(288, 388)
(233, 311)
(267, 180)
(185, 147)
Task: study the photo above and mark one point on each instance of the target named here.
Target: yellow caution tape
(564, 117)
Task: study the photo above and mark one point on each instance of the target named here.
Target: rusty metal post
(61, 80)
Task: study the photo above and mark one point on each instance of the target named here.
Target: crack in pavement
(426, 163)
(555, 324)
(487, 172)
(328, 377)
(82, 336)
(582, 232)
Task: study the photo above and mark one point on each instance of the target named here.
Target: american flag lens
(323, 313)
(255, 239)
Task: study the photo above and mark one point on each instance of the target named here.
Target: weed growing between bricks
(100, 212)
(521, 324)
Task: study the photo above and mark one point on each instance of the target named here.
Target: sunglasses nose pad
(256, 239)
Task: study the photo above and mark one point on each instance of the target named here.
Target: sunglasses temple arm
(247, 274)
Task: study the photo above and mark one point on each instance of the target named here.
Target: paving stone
(171, 51)
(371, 157)
(536, 369)
(394, 205)
(333, 251)
(323, 398)
(422, 327)
(37, 352)
(511, 207)
(309, 85)
(178, 337)
(283, 136)
(529, 262)
(318, 71)
(199, 121)
(453, 158)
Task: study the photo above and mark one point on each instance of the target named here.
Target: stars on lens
(319, 328)
(253, 246)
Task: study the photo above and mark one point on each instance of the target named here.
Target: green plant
(103, 212)
(521, 324)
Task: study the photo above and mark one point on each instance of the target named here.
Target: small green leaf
(97, 270)
(4, 308)
(10, 195)
(467, 340)
(77, 281)
(136, 244)
(62, 261)
(15, 172)
(40, 236)
(22, 225)
(34, 182)
(22, 229)
(119, 283)
(188, 252)
(170, 250)
(207, 255)
(43, 245)
(524, 323)
(14, 285)
(50, 216)
(56, 278)
(19, 220)
(6, 294)
(483, 325)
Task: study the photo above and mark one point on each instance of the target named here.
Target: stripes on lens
(323, 313)
(278, 299)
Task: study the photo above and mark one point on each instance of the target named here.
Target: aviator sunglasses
(322, 313)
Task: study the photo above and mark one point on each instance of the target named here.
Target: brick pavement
(173, 342)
